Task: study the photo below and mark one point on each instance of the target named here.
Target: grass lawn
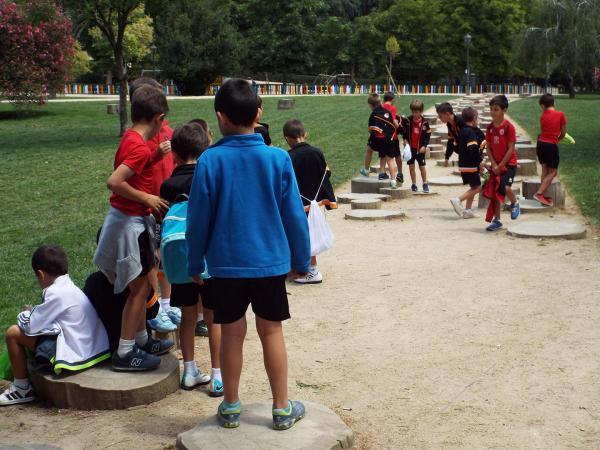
(55, 164)
(579, 163)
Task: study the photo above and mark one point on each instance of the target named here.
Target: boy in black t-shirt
(260, 127)
(188, 142)
(454, 123)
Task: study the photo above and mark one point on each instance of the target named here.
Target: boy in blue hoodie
(251, 234)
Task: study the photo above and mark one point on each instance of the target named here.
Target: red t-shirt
(135, 154)
(394, 112)
(499, 138)
(163, 168)
(415, 136)
(551, 123)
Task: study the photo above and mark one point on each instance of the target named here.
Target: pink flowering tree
(36, 47)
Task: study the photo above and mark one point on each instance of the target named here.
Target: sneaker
(175, 315)
(393, 184)
(364, 172)
(550, 200)
(515, 210)
(426, 188)
(201, 329)
(400, 177)
(189, 381)
(284, 419)
(468, 214)
(543, 200)
(15, 395)
(494, 226)
(455, 202)
(310, 278)
(158, 346)
(162, 322)
(229, 416)
(137, 360)
(414, 188)
(383, 176)
(215, 388)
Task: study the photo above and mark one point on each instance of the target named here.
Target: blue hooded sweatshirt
(245, 214)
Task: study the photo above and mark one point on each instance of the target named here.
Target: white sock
(165, 304)
(314, 269)
(22, 383)
(215, 374)
(200, 317)
(141, 338)
(190, 367)
(125, 346)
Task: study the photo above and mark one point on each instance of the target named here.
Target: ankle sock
(165, 304)
(125, 346)
(284, 411)
(200, 317)
(141, 338)
(215, 374)
(22, 383)
(191, 368)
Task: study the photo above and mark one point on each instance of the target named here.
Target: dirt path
(426, 333)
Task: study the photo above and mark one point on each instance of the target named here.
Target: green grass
(579, 163)
(56, 162)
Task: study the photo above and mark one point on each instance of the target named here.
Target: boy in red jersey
(554, 128)
(501, 137)
(388, 103)
(418, 134)
(125, 251)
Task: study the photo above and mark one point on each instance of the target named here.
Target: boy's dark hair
(142, 81)
(259, 100)
(146, 103)
(500, 100)
(51, 259)
(417, 105)
(547, 100)
(203, 123)
(238, 101)
(189, 141)
(374, 99)
(469, 114)
(294, 129)
(388, 96)
(444, 108)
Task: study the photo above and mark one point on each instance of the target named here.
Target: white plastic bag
(321, 236)
(406, 153)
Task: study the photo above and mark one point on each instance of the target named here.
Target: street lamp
(153, 50)
(468, 38)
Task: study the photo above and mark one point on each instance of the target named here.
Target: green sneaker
(201, 329)
(229, 414)
(284, 419)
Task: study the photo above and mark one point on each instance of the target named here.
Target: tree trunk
(122, 77)
(570, 86)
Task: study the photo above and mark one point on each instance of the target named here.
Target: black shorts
(147, 258)
(507, 179)
(268, 297)
(189, 294)
(385, 147)
(416, 156)
(547, 153)
(471, 178)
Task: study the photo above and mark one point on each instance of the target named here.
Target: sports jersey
(499, 139)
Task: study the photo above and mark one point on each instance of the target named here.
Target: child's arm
(118, 184)
(563, 128)
(41, 319)
(426, 136)
(507, 155)
(198, 221)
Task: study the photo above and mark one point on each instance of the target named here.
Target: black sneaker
(426, 188)
(400, 177)
(384, 176)
(137, 360)
(157, 346)
(414, 188)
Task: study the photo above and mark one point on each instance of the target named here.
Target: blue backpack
(173, 246)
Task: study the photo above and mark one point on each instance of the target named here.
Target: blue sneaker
(215, 388)
(162, 323)
(364, 172)
(494, 226)
(175, 315)
(229, 414)
(158, 346)
(426, 188)
(136, 360)
(284, 419)
(515, 210)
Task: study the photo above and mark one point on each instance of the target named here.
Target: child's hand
(157, 204)
(198, 280)
(423, 150)
(445, 163)
(164, 148)
(496, 169)
(27, 307)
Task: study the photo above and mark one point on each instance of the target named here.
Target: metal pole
(468, 70)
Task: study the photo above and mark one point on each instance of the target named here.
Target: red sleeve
(563, 119)
(136, 157)
(512, 134)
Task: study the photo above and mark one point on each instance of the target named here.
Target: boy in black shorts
(188, 142)
(382, 129)
(469, 162)
(418, 133)
(249, 237)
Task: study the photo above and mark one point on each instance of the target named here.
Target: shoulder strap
(318, 190)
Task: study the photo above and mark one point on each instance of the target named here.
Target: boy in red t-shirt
(125, 251)
(553, 129)
(501, 138)
(418, 133)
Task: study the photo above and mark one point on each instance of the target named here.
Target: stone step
(437, 139)
(436, 147)
(368, 185)
(374, 214)
(347, 198)
(320, 429)
(396, 193)
(527, 167)
(482, 202)
(425, 194)
(431, 118)
(556, 191)
(449, 180)
(547, 229)
(531, 206)
(526, 151)
(437, 155)
(366, 203)
(100, 387)
(451, 163)
(523, 141)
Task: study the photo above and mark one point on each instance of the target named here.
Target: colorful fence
(108, 89)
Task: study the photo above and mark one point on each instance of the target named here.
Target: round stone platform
(556, 191)
(425, 194)
(530, 206)
(28, 447)
(396, 193)
(102, 388)
(374, 214)
(547, 229)
(349, 197)
(451, 163)
(369, 203)
(368, 185)
(320, 429)
(446, 181)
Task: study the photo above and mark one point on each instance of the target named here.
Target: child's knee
(267, 327)
(13, 333)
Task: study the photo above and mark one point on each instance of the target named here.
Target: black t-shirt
(309, 168)
(263, 129)
(179, 183)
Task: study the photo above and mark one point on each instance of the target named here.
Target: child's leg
(16, 343)
(275, 359)
(232, 358)
(214, 338)
(471, 196)
(511, 195)
(189, 315)
(368, 157)
(133, 311)
(399, 164)
(392, 165)
(165, 290)
(498, 210)
(381, 165)
(423, 174)
(547, 181)
(413, 173)
(313, 262)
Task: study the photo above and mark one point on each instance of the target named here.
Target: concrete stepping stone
(102, 388)
(349, 197)
(396, 193)
(526, 151)
(320, 429)
(531, 206)
(556, 191)
(523, 141)
(482, 202)
(368, 185)
(527, 167)
(437, 139)
(28, 447)
(425, 194)
(547, 229)
(431, 118)
(451, 163)
(374, 214)
(366, 203)
(437, 155)
(446, 181)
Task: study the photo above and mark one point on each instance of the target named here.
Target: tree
(80, 62)
(332, 46)
(392, 48)
(35, 50)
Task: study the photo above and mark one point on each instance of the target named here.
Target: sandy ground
(426, 333)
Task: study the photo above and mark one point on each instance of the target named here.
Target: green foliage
(80, 62)
(332, 46)
(392, 46)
